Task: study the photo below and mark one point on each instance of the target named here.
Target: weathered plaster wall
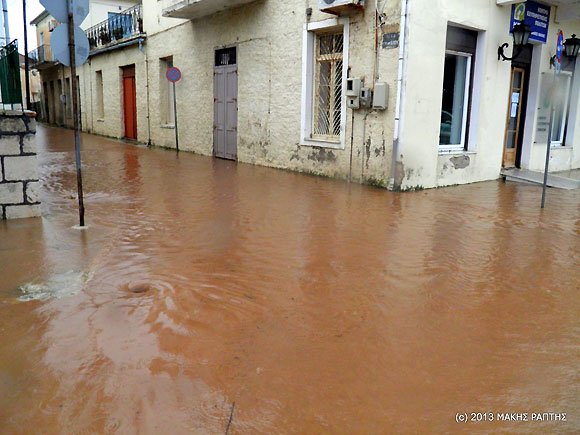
(421, 165)
(269, 36)
(19, 183)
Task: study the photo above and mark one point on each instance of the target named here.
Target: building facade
(276, 83)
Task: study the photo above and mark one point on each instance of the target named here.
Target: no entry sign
(173, 74)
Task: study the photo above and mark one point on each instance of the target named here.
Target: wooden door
(513, 132)
(130, 102)
(226, 107)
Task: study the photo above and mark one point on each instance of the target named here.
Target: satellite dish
(60, 48)
(59, 10)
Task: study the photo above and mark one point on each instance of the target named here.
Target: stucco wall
(269, 36)
(420, 162)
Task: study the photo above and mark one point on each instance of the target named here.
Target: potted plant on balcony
(92, 42)
(118, 33)
(105, 37)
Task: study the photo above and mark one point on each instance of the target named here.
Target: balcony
(192, 9)
(41, 57)
(120, 29)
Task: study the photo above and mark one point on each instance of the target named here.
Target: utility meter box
(365, 98)
(353, 85)
(381, 96)
(353, 102)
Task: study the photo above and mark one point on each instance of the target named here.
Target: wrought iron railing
(10, 89)
(119, 26)
(40, 55)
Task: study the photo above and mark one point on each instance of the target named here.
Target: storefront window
(455, 99)
(561, 105)
(459, 56)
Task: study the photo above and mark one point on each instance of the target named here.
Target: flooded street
(313, 305)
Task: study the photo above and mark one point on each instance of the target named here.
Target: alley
(313, 305)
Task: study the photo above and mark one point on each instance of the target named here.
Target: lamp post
(521, 34)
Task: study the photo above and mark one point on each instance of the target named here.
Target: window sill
(560, 147)
(321, 144)
(167, 126)
(100, 119)
(451, 151)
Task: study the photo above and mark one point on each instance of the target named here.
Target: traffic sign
(173, 74)
(559, 50)
(59, 10)
(60, 45)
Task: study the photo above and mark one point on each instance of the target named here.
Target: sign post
(70, 46)
(174, 75)
(557, 70)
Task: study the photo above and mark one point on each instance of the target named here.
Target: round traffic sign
(173, 74)
(560, 46)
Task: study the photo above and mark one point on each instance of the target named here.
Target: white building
(267, 82)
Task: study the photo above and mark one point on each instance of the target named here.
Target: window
(457, 81)
(324, 72)
(67, 98)
(100, 102)
(166, 108)
(562, 106)
(328, 86)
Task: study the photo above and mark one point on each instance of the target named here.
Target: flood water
(208, 293)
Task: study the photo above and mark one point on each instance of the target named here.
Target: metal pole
(73, 71)
(26, 68)
(175, 119)
(6, 26)
(548, 155)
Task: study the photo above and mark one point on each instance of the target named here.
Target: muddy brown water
(314, 305)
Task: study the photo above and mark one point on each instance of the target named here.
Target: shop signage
(535, 15)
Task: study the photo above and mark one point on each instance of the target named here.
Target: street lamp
(572, 47)
(521, 33)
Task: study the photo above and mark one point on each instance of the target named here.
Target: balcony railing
(118, 27)
(40, 55)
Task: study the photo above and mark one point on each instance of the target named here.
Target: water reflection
(314, 305)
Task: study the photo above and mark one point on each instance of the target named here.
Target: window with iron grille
(328, 75)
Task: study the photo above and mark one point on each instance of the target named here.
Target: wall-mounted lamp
(521, 33)
(571, 49)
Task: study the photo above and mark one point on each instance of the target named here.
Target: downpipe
(400, 95)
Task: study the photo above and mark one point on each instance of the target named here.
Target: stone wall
(19, 183)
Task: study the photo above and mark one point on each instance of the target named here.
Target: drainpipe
(397, 162)
(147, 88)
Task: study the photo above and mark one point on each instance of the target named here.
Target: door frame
(519, 125)
(129, 72)
(224, 67)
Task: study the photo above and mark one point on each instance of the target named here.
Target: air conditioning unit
(341, 7)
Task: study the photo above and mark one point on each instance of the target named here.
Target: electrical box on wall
(340, 7)
(353, 102)
(365, 98)
(381, 96)
(353, 85)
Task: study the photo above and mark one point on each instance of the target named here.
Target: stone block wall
(19, 185)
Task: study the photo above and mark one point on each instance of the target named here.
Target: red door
(130, 102)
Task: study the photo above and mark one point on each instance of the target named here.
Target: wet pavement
(313, 305)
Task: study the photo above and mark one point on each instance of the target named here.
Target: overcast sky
(33, 8)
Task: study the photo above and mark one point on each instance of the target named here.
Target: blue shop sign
(535, 15)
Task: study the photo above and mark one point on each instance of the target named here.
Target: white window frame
(308, 59)
(560, 143)
(461, 146)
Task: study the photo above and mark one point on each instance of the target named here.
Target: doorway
(130, 102)
(517, 107)
(225, 91)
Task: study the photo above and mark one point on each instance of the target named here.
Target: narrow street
(209, 296)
